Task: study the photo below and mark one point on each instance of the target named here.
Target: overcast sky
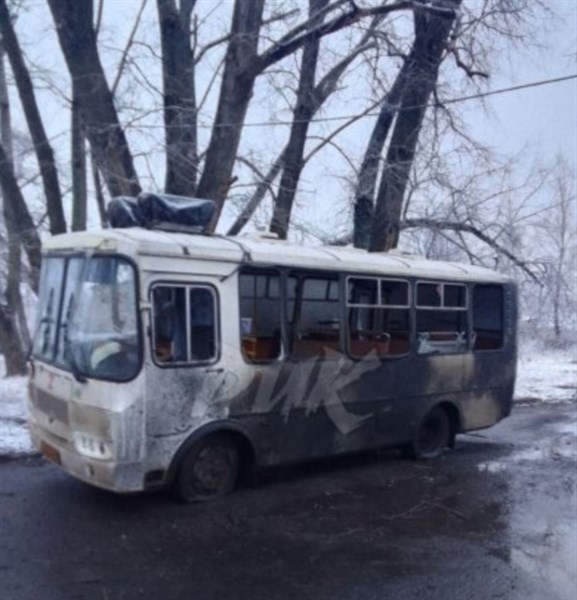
(542, 119)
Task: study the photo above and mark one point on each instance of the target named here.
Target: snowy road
(496, 518)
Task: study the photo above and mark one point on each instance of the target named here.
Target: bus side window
(378, 317)
(184, 324)
(260, 316)
(202, 324)
(169, 344)
(487, 317)
(441, 318)
(314, 316)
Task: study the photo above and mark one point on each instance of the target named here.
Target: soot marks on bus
(335, 396)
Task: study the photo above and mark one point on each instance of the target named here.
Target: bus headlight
(91, 446)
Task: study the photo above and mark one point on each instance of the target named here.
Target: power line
(372, 113)
(478, 95)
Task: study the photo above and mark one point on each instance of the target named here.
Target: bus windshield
(88, 318)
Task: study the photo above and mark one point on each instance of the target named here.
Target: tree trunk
(99, 194)
(15, 337)
(431, 34)
(42, 146)
(14, 357)
(77, 38)
(367, 178)
(303, 112)
(78, 152)
(235, 94)
(18, 218)
(179, 97)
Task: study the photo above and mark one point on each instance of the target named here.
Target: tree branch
(263, 186)
(295, 39)
(129, 44)
(225, 38)
(465, 227)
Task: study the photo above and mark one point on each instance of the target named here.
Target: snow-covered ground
(548, 377)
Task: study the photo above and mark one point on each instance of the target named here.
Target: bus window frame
(59, 308)
(466, 310)
(380, 306)
(441, 306)
(266, 270)
(306, 273)
(217, 324)
(502, 288)
(139, 324)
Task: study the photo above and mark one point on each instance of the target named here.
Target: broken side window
(378, 317)
(442, 324)
(260, 315)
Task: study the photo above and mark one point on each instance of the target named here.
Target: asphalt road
(495, 518)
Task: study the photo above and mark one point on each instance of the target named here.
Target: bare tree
(322, 91)
(432, 32)
(557, 234)
(235, 94)
(19, 217)
(76, 33)
(42, 146)
(180, 118)
(303, 112)
(15, 337)
(368, 173)
(79, 172)
(243, 65)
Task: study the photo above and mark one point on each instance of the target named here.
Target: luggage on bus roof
(160, 211)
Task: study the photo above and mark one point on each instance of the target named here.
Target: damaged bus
(166, 358)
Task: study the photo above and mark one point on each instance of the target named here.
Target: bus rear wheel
(432, 436)
(209, 470)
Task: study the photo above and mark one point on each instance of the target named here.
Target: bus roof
(264, 250)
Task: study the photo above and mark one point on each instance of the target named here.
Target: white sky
(543, 119)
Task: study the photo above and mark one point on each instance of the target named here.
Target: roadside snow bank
(549, 377)
(14, 439)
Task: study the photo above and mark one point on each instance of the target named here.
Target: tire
(432, 436)
(209, 470)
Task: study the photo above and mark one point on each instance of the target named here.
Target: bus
(181, 360)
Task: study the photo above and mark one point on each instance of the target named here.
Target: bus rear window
(487, 317)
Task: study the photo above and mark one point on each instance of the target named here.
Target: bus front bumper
(105, 474)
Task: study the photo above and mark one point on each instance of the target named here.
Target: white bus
(174, 360)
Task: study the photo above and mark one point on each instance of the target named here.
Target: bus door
(183, 380)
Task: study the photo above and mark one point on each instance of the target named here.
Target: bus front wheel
(431, 437)
(210, 469)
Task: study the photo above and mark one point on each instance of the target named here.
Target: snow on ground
(14, 439)
(549, 377)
